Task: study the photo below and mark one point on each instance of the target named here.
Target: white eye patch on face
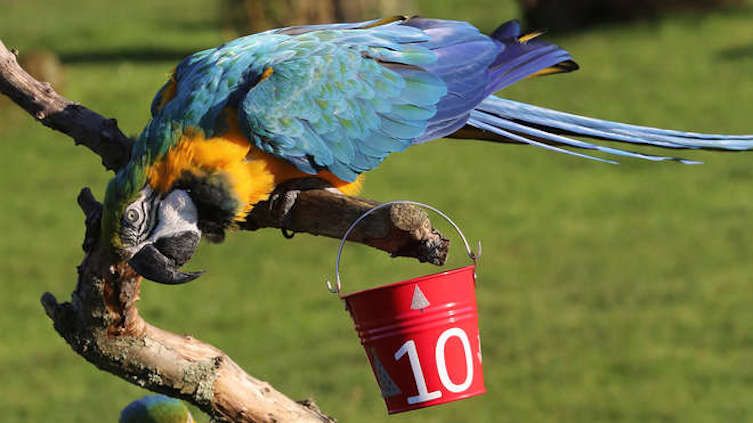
(171, 243)
(174, 214)
(177, 213)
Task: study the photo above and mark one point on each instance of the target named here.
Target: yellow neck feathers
(251, 173)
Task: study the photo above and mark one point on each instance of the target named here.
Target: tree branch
(102, 322)
(401, 230)
(99, 134)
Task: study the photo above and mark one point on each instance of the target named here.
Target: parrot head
(156, 409)
(155, 232)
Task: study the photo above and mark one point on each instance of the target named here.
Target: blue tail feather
(491, 127)
(520, 122)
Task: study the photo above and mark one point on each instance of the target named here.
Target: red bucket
(420, 335)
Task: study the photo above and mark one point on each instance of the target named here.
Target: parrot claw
(281, 205)
(282, 201)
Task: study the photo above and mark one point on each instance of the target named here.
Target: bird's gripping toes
(332, 102)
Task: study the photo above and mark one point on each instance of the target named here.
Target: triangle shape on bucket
(386, 384)
(419, 301)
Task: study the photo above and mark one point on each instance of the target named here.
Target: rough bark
(102, 324)
(101, 321)
(401, 230)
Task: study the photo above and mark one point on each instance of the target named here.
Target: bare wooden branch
(401, 230)
(102, 323)
(99, 134)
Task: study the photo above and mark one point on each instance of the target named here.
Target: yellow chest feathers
(251, 174)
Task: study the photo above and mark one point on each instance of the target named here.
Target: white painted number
(442, 365)
(423, 393)
(409, 347)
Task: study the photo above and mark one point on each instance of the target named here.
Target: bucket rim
(409, 281)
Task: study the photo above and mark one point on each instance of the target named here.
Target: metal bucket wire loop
(336, 288)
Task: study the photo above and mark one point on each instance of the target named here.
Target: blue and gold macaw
(156, 409)
(332, 101)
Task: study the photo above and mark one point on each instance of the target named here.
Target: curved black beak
(161, 261)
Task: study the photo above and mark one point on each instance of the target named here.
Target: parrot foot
(282, 201)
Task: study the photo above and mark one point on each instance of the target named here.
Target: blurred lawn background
(607, 293)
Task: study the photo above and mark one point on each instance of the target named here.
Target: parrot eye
(138, 219)
(132, 216)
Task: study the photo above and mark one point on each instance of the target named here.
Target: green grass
(607, 293)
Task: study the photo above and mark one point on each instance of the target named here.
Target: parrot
(332, 101)
(156, 409)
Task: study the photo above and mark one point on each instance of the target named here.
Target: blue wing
(342, 97)
(349, 96)
(345, 99)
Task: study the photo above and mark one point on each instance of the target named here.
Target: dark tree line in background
(248, 16)
(569, 15)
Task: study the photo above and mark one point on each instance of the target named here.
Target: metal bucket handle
(337, 287)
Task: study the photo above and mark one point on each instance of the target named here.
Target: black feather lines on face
(143, 214)
(214, 202)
